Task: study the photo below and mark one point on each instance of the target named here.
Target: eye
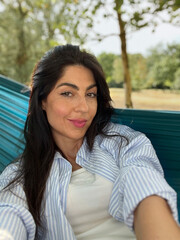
(66, 94)
(92, 95)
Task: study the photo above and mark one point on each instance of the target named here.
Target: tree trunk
(127, 77)
(22, 57)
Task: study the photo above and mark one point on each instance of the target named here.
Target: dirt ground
(148, 99)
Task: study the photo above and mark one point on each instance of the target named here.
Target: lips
(80, 123)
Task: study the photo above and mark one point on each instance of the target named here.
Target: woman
(80, 176)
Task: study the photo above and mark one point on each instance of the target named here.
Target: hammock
(161, 127)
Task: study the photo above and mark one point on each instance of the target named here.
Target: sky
(137, 42)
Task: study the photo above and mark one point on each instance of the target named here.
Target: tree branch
(100, 37)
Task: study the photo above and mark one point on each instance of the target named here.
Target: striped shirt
(133, 168)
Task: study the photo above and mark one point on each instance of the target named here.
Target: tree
(118, 72)
(107, 60)
(16, 41)
(133, 15)
(138, 70)
(176, 83)
(139, 16)
(29, 28)
(163, 65)
(112, 65)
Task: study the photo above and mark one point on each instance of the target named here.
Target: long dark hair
(37, 158)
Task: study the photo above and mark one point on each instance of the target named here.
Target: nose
(81, 105)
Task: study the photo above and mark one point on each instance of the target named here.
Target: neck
(69, 149)
(69, 152)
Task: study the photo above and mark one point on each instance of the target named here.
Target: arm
(153, 220)
(140, 177)
(11, 226)
(16, 222)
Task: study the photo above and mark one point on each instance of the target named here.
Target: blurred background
(136, 42)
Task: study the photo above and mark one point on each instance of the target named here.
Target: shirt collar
(82, 155)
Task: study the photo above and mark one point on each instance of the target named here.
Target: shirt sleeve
(140, 176)
(16, 222)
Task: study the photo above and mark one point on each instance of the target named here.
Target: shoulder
(122, 140)
(120, 131)
(8, 174)
(118, 136)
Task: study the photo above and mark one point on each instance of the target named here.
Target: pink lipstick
(80, 123)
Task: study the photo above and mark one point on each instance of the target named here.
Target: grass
(148, 99)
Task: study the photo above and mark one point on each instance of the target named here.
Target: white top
(134, 170)
(88, 200)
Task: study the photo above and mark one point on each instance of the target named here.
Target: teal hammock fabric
(161, 127)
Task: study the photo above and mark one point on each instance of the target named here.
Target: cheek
(93, 109)
(55, 111)
(60, 111)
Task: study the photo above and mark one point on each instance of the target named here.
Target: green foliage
(29, 28)
(140, 14)
(117, 75)
(106, 60)
(133, 15)
(112, 66)
(162, 66)
(176, 83)
(160, 69)
(138, 70)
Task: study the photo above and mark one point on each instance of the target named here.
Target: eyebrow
(74, 86)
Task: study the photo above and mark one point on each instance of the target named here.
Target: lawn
(148, 99)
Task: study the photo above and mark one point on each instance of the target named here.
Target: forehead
(78, 75)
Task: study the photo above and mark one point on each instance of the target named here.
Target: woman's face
(71, 105)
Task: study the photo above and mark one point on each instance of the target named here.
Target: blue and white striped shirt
(133, 168)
